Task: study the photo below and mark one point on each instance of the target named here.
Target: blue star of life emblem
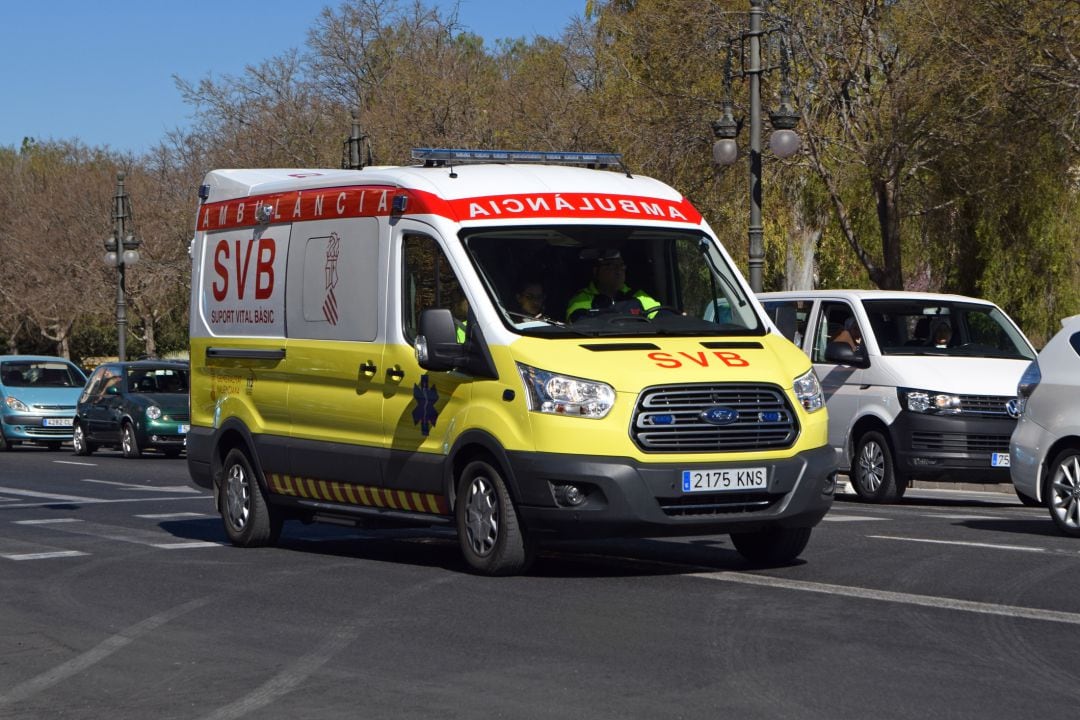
(425, 414)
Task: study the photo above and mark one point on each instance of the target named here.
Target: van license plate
(57, 422)
(999, 460)
(733, 479)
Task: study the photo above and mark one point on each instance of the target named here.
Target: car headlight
(808, 391)
(927, 401)
(16, 404)
(549, 392)
(153, 412)
(1028, 382)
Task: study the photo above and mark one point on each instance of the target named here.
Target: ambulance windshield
(593, 280)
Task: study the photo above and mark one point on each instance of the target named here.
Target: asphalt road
(121, 599)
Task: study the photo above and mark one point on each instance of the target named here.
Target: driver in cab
(608, 291)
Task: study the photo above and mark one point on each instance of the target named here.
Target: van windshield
(918, 327)
(590, 280)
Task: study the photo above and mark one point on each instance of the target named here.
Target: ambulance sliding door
(334, 360)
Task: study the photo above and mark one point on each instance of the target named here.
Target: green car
(134, 406)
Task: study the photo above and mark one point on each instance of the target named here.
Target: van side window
(429, 282)
(836, 323)
(791, 317)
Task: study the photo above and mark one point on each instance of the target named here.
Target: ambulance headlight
(549, 392)
(808, 391)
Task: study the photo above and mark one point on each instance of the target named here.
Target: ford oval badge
(719, 415)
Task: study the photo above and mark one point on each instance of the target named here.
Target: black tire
(772, 546)
(5, 444)
(250, 521)
(81, 444)
(873, 472)
(1063, 491)
(129, 443)
(489, 532)
(1027, 500)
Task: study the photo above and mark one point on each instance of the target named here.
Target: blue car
(38, 395)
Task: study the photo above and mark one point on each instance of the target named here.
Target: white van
(438, 344)
(917, 385)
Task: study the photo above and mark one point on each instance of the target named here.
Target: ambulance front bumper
(621, 496)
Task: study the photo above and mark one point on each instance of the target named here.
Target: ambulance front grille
(671, 419)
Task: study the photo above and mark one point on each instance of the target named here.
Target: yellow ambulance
(521, 345)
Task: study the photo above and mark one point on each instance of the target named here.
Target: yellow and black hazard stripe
(352, 494)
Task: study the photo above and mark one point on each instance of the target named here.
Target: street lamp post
(121, 250)
(784, 141)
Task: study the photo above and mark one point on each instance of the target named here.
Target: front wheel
(129, 443)
(489, 533)
(873, 472)
(249, 519)
(772, 546)
(78, 439)
(1063, 500)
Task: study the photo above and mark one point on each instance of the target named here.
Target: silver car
(1045, 447)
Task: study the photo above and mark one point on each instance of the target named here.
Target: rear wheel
(78, 439)
(873, 473)
(129, 444)
(1063, 498)
(250, 521)
(489, 532)
(772, 546)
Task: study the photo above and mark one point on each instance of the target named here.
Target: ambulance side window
(429, 282)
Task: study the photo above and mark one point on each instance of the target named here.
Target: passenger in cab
(530, 298)
(608, 290)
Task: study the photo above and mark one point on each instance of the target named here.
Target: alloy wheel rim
(871, 467)
(481, 516)
(237, 496)
(128, 440)
(77, 439)
(1065, 500)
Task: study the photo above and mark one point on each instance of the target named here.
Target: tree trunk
(800, 255)
(887, 192)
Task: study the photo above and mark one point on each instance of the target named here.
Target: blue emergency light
(441, 157)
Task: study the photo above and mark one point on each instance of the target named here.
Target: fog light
(570, 495)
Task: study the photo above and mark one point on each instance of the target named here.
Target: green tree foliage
(941, 145)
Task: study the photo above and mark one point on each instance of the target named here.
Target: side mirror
(437, 347)
(842, 354)
(112, 390)
(787, 321)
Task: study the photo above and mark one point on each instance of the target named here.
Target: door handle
(368, 368)
(396, 374)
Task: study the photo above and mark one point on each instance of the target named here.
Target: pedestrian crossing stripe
(353, 494)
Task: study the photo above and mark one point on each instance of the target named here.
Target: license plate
(182, 429)
(728, 479)
(999, 460)
(57, 422)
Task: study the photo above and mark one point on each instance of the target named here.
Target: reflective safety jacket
(633, 302)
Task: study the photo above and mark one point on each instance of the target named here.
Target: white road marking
(992, 546)
(47, 521)
(49, 496)
(72, 462)
(147, 488)
(44, 555)
(186, 545)
(104, 649)
(931, 601)
(851, 518)
(173, 516)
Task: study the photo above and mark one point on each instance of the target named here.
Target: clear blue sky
(101, 70)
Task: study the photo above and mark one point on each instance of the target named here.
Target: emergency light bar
(441, 157)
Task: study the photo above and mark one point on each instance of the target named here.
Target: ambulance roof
(461, 181)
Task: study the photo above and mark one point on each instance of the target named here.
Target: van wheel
(249, 519)
(78, 440)
(772, 546)
(874, 477)
(489, 532)
(1064, 496)
(129, 444)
